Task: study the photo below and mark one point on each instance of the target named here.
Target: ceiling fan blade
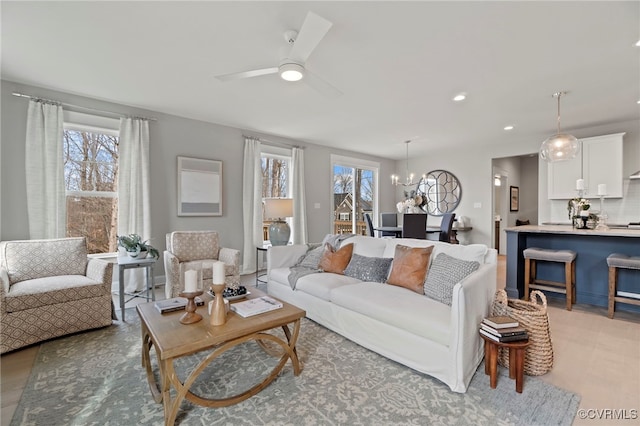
(313, 30)
(247, 74)
(320, 85)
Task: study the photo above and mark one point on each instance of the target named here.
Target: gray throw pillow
(312, 257)
(370, 269)
(444, 273)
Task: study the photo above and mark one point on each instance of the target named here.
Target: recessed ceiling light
(509, 127)
(639, 101)
(460, 97)
(638, 43)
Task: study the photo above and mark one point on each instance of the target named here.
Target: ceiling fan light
(291, 72)
(559, 147)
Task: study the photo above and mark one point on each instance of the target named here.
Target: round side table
(517, 351)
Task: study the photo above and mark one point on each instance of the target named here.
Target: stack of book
(175, 304)
(255, 306)
(503, 329)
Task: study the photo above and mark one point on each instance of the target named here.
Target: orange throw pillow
(409, 267)
(335, 261)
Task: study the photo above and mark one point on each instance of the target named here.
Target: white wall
(171, 136)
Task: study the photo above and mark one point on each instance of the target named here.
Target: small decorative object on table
(135, 247)
(192, 288)
(218, 312)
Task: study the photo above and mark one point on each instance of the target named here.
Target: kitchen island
(592, 248)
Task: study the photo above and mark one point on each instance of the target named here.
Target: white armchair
(187, 247)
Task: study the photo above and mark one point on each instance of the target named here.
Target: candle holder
(602, 217)
(218, 312)
(190, 316)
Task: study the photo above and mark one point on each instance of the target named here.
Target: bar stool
(615, 261)
(568, 287)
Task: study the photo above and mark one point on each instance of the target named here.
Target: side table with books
(504, 332)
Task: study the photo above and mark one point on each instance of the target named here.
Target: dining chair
(414, 225)
(445, 226)
(369, 222)
(389, 219)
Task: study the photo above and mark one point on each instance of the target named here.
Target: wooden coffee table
(173, 340)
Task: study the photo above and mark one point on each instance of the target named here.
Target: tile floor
(594, 356)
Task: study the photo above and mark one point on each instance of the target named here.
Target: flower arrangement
(134, 245)
(412, 202)
(579, 213)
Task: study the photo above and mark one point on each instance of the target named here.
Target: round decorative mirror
(440, 191)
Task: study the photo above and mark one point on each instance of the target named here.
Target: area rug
(96, 378)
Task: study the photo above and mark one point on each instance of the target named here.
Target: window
(355, 192)
(91, 183)
(276, 164)
(275, 175)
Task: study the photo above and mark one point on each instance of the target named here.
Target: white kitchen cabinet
(599, 161)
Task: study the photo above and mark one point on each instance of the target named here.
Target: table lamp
(277, 209)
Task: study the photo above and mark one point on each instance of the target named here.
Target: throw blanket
(308, 264)
(297, 272)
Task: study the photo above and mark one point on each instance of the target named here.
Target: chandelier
(561, 146)
(395, 179)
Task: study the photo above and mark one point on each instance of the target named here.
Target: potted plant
(135, 247)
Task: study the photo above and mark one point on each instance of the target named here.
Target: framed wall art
(199, 187)
(515, 198)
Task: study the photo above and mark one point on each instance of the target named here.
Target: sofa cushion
(391, 243)
(311, 259)
(31, 259)
(399, 307)
(409, 267)
(470, 252)
(368, 246)
(444, 273)
(364, 268)
(51, 290)
(320, 285)
(335, 260)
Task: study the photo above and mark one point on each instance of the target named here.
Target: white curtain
(134, 209)
(251, 204)
(44, 165)
(299, 219)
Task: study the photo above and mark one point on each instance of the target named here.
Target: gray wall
(171, 136)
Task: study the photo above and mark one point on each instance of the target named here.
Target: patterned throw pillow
(409, 267)
(369, 269)
(312, 257)
(444, 273)
(335, 261)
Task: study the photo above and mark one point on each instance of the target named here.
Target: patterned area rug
(96, 378)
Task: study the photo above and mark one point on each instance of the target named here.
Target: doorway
(500, 209)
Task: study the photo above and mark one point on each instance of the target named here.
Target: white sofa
(412, 329)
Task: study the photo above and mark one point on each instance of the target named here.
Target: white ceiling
(397, 63)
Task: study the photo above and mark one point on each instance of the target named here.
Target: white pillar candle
(602, 189)
(580, 184)
(190, 281)
(217, 276)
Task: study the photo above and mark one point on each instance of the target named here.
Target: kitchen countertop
(568, 229)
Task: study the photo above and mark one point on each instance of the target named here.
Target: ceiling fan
(292, 68)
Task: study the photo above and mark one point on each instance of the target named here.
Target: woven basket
(533, 317)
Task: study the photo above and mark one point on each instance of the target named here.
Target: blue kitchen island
(592, 248)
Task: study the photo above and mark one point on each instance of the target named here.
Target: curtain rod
(37, 98)
(268, 142)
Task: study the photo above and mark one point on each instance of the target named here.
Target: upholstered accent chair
(187, 247)
(50, 288)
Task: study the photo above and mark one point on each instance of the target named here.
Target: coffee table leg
(169, 376)
(147, 344)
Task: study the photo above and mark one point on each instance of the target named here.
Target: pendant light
(561, 146)
(409, 179)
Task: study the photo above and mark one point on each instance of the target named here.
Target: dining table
(398, 230)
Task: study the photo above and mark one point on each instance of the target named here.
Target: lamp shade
(278, 208)
(559, 147)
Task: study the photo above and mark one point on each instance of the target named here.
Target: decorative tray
(231, 298)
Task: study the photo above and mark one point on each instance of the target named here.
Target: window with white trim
(91, 183)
